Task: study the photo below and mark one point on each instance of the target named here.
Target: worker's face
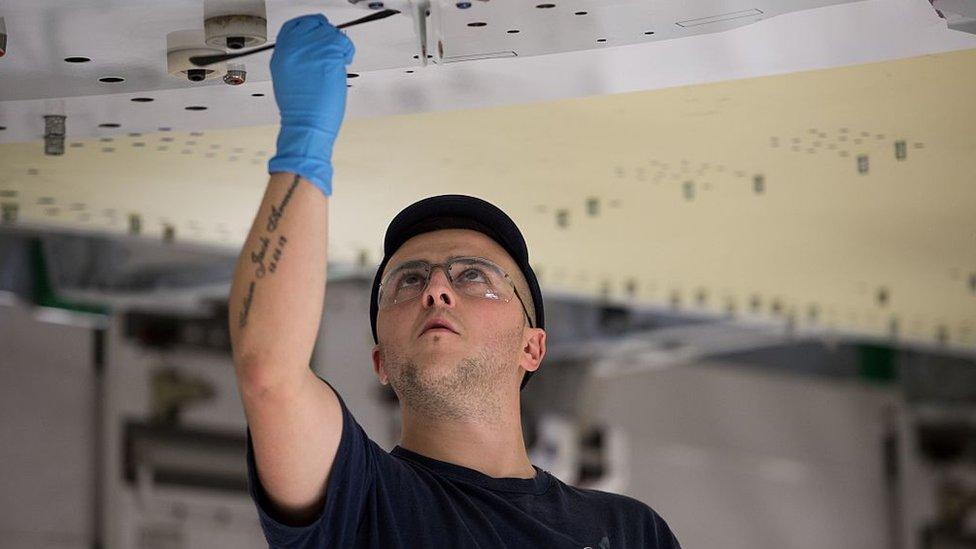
(493, 346)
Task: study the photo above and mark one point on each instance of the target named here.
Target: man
(458, 321)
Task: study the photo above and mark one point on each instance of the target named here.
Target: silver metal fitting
(236, 74)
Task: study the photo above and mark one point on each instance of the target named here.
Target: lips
(435, 323)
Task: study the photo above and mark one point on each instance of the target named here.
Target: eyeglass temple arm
(524, 310)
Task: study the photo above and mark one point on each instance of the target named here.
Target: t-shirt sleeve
(664, 538)
(349, 482)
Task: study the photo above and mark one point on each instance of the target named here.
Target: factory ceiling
(807, 163)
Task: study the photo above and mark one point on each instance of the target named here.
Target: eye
(409, 279)
(473, 275)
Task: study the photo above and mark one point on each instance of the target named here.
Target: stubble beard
(470, 390)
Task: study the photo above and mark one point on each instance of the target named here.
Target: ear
(378, 365)
(533, 349)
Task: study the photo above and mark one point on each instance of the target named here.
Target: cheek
(393, 325)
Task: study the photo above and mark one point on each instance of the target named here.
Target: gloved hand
(308, 71)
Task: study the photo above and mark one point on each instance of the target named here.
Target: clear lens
(472, 276)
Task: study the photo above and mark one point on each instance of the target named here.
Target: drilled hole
(142, 99)
(76, 59)
(513, 31)
(109, 125)
(580, 13)
(545, 6)
(111, 79)
(478, 24)
(352, 75)
(649, 33)
(196, 108)
(257, 95)
(601, 39)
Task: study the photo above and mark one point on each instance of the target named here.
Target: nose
(439, 291)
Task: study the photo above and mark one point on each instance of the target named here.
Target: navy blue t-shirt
(397, 499)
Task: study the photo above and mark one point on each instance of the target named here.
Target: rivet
(901, 150)
(882, 296)
(562, 218)
(593, 206)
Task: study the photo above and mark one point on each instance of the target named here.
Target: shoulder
(632, 507)
(630, 514)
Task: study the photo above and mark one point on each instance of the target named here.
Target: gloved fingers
(310, 33)
(300, 25)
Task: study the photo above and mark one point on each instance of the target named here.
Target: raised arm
(278, 291)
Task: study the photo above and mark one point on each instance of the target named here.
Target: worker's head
(443, 263)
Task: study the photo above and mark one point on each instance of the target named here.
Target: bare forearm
(277, 295)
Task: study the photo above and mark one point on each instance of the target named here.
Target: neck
(494, 447)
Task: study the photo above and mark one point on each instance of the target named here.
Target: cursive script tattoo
(242, 317)
(258, 257)
(279, 211)
(279, 251)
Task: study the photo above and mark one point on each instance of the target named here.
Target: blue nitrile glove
(308, 71)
